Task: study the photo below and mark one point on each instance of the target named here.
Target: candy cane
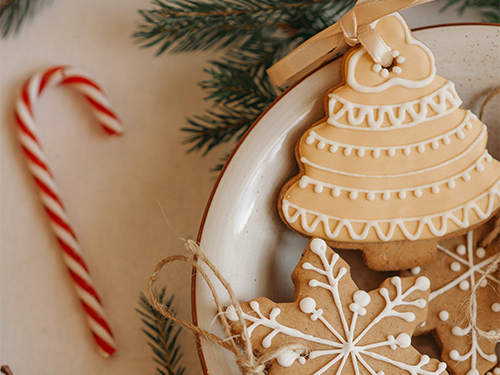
(37, 163)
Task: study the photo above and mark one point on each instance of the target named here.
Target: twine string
(247, 361)
(492, 239)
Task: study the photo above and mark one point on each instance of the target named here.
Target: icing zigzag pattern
(441, 102)
(332, 226)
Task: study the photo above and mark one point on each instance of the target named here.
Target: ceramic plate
(242, 232)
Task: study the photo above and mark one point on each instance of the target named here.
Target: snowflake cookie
(345, 330)
(459, 265)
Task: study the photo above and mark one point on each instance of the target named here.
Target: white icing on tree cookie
(396, 158)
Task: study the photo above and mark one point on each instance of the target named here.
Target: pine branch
(162, 335)
(14, 13)
(490, 9)
(182, 26)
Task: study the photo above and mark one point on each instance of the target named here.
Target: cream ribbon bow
(353, 28)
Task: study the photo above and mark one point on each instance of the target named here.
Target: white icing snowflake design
(469, 264)
(348, 343)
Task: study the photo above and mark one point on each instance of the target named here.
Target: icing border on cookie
(386, 194)
(394, 224)
(394, 81)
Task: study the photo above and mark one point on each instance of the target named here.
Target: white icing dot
(461, 249)
(444, 315)
(334, 148)
(397, 70)
(310, 140)
(446, 140)
(455, 355)
(376, 153)
(377, 68)
(402, 194)
(481, 252)
(455, 266)
(483, 283)
(479, 167)
(489, 158)
(361, 298)
(434, 145)
(473, 371)
(464, 285)
(370, 196)
(391, 152)
(321, 145)
(287, 358)
(353, 194)
(496, 371)
(451, 184)
(318, 189)
(307, 305)
(361, 152)
(347, 151)
(466, 177)
(384, 73)
(336, 192)
(460, 134)
(496, 307)
(407, 151)
(421, 148)
(417, 193)
(231, 313)
(435, 189)
(400, 60)
(395, 53)
(423, 283)
(386, 195)
(318, 246)
(403, 340)
(468, 126)
(416, 270)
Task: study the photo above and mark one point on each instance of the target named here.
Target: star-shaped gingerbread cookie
(459, 266)
(344, 330)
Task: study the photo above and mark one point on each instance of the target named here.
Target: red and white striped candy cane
(44, 178)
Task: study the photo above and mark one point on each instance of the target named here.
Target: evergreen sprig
(253, 34)
(14, 13)
(162, 335)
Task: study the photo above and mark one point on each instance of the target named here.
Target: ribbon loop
(349, 27)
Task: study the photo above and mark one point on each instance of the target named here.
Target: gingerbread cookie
(344, 330)
(459, 265)
(395, 160)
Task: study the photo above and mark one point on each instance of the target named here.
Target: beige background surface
(115, 189)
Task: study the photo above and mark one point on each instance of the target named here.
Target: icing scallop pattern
(433, 143)
(332, 225)
(442, 102)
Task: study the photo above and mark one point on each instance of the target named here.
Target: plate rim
(194, 315)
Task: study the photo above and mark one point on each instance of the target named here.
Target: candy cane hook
(37, 164)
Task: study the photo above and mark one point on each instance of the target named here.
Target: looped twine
(247, 361)
(353, 28)
(492, 239)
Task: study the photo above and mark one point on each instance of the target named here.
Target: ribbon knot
(349, 27)
(353, 28)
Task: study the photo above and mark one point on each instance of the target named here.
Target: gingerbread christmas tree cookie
(342, 329)
(458, 268)
(396, 161)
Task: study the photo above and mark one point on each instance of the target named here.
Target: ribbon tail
(304, 60)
